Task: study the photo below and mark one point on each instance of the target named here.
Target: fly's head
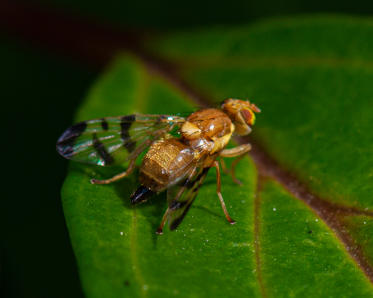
(242, 114)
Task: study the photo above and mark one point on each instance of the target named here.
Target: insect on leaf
(312, 79)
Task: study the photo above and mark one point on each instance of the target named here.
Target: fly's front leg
(218, 188)
(131, 166)
(238, 152)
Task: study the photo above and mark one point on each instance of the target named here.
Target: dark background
(41, 86)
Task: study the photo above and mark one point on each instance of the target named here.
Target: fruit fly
(178, 164)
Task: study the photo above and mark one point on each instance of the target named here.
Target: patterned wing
(111, 140)
(181, 196)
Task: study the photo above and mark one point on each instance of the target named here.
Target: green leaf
(306, 235)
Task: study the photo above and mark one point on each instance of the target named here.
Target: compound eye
(248, 116)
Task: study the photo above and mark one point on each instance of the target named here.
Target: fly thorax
(220, 142)
(190, 131)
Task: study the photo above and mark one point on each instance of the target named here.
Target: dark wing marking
(125, 126)
(111, 140)
(181, 197)
(101, 150)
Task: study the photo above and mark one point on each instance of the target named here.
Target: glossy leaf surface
(314, 91)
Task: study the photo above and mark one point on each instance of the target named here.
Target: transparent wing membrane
(181, 196)
(111, 140)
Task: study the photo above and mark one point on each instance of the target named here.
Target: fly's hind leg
(131, 166)
(238, 152)
(119, 176)
(169, 209)
(218, 188)
(164, 219)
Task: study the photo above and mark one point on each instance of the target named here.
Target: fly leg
(170, 207)
(233, 167)
(238, 152)
(231, 171)
(131, 166)
(218, 188)
(164, 219)
(224, 166)
(117, 177)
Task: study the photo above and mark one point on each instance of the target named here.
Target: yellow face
(242, 114)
